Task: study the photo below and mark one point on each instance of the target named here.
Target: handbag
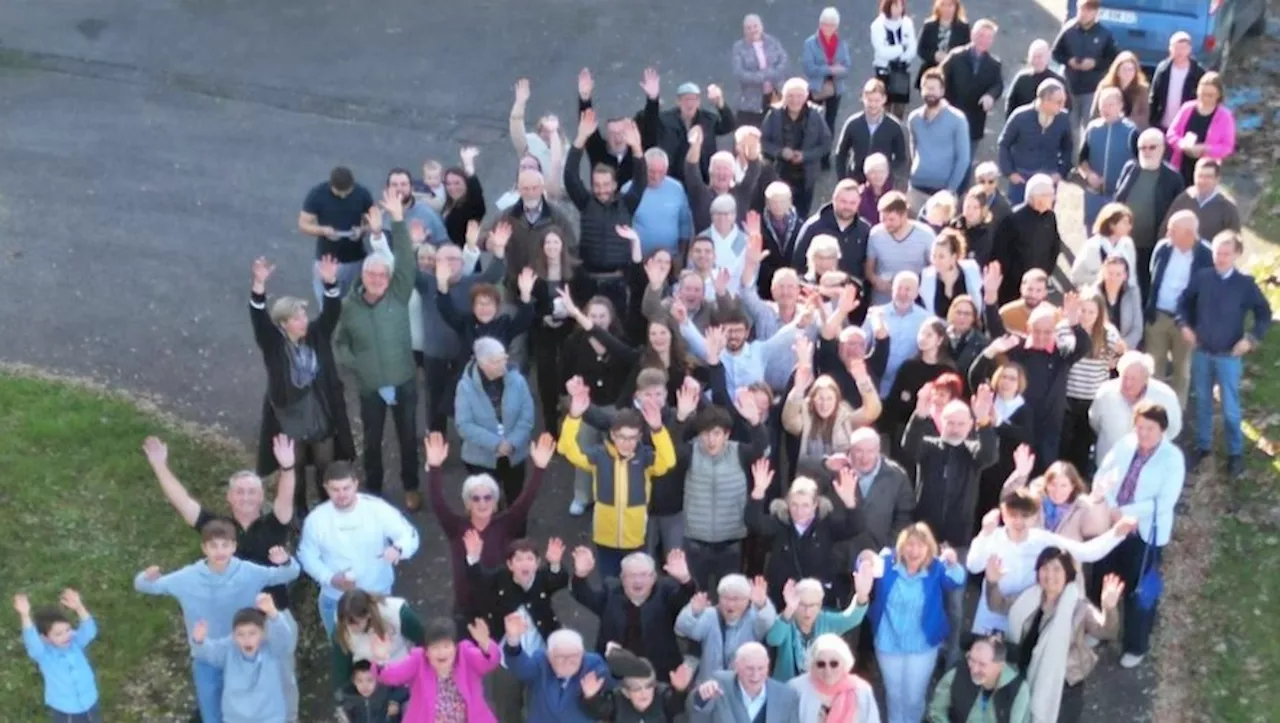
(828, 90)
(899, 81)
(305, 419)
(1150, 582)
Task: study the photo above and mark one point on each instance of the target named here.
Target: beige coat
(797, 419)
(1084, 521)
(1086, 620)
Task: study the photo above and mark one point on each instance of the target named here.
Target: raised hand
(710, 690)
(525, 283)
(681, 677)
(652, 83)
(436, 448)
(373, 217)
(1024, 460)
(836, 462)
(715, 95)
(983, 403)
(864, 579)
(699, 603)
(695, 137)
(327, 269)
(745, 402)
(199, 632)
(803, 348)
(759, 591)
(278, 555)
(591, 684)
(472, 543)
(498, 238)
(992, 276)
(522, 91)
(679, 312)
(721, 281)
(156, 451)
(555, 551)
(282, 448)
(629, 233)
(479, 630)
(542, 450)
(261, 271)
(22, 604)
(789, 595)
(651, 410)
(393, 205)
(677, 566)
(995, 569)
(266, 604)
(991, 521)
(472, 237)
(948, 555)
(1071, 308)
(924, 400)
(579, 396)
(846, 486)
(714, 342)
(654, 271)
(584, 561)
(761, 477)
(418, 233)
(587, 126)
(1112, 590)
(586, 84)
(687, 398)
(468, 155)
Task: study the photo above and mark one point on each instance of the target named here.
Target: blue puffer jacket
(482, 428)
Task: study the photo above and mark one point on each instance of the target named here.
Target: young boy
(70, 690)
(622, 471)
(211, 590)
(252, 691)
(365, 700)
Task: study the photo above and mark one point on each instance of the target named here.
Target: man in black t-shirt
(257, 531)
(334, 213)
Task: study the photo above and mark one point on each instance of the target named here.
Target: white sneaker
(1129, 660)
(1091, 641)
(576, 508)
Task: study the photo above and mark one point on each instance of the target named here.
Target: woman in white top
(728, 238)
(1110, 237)
(893, 42)
(830, 692)
(948, 275)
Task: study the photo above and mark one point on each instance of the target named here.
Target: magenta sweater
(469, 670)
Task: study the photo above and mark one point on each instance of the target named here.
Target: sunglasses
(482, 498)
(824, 664)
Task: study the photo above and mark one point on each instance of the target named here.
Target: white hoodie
(353, 541)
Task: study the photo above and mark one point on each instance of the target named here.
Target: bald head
(529, 184)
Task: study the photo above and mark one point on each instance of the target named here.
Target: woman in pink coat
(444, 677)
(1203, 128)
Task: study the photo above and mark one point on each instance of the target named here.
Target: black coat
(947, 478)
(280, 390)
(1160, 89)
(1168, 187)
(779, 247)
(965, 88)
(599, 246)
(856, 143)
(793, 556)
(853, 242)
(471, 208)
(1025, 84)
(927, 43)
(665, 129)
(1026, 240)
(497, 595)
(657, 617)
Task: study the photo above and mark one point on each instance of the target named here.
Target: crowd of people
(799, 437)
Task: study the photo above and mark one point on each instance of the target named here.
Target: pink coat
(1219, 143)
(468, 671)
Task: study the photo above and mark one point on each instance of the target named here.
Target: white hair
(987, 168)
(750, 17)
(1039, 45)
(1039, 183)
(567, 640)
(1185, 217)
(809, 587)
(639, 562)
(904, 276)
(941, 198)
(476, 483)
(786, 273)
(724, 203)
(245, 475)
(831, 643)
(486, 348)
(733, 584)
(864, 434)
(655, 156)
(955, 406)
(1131, 358)
(750, 650)
(848, 333)
(375, 261)
(803, 486)
(874, 161)
(822, 244)
(723, 158)
(777, 190)
(796, 84)
(743, 132)
(829, 15)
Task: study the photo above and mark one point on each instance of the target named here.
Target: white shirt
(353, 541)
(1177, 274)
(753, 705)
(1111, 415)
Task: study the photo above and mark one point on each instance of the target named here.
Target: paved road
(151, 150)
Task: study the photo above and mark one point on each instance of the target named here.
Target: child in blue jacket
(70, 689)
(250, 660)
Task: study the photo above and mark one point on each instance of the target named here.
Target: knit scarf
(1053, 513)
(1048, 669)
(843, 697)
(830, 44)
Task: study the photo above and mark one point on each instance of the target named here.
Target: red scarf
(829, 46)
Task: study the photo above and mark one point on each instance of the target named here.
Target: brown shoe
(413, 501)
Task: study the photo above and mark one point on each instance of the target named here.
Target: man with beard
(1148, 186)
(747, 362)
(872, 131)
(1028, 239)
(796, 138)
(838, 219)
(1033, 291)
(669, 129)
(604, 254)
(400, 182)
(1037, 138)
(940, 142)
(333, 212)
(898, 243)
(609, 149)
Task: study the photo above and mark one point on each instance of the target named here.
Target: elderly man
(1110, 141)
(903, 317)
(869, 132)
(334, 213)
(987, 175)
(985, 687)
(1027, 81)
(760, 65)
(669, 129)
(767, 317)
(838, 219)
(1111, 414)
(1029, 238)
(1175, 261)
(898, 243)
(530, 219)
(553, 675)
(886, 497)
(1174, 81)
(728, 239)
(747, 694)
(780, 229)
(974, 79)
(1211, 314)
(610, 147)
(743, 614)
(939, 139)
(688, 297)
(374, 341)
(1085, 48)
(796, 138)
(1148, 186)
(637, 612)
(1037, 138)
(663, 219)
(722, 180)
(1215, 211)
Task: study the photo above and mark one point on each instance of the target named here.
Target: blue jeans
(906, 683)
(328, 613)
(93, 715)
(347, 275)
(208, 680)
(1226, 370)
(1017, 192)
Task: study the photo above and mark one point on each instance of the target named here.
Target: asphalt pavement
(151, 150)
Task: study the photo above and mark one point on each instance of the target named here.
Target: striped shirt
(1087, 375)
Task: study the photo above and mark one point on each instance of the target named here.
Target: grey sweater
(945, 143)
(1216, 215)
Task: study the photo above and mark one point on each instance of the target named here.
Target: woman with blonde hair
(830, 692)
(908, 615)
(1067, 507)
(938, 211)
(1126, 75)
(1110, 237)
(816, 412)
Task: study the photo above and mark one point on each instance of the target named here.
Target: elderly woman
(1110, 238)
(949, 275)
(554, 675)
(975, 222)
(801, 529)
(830, 692)
(760, 65)
(493, 413)
(965, 339)
(822, 257)
(1151, 470)
(374, 628)
(1049, 623)
(826, 62)
(816, 412)
(445, 675)
(879, 182)
(1067, 508)
(480, 494)
(304, 398)
(908, 616)
(803, 620)
(1203, 128)
(938, 210)
(742, 614)
(779, 227)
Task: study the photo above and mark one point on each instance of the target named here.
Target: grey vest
(715, 496)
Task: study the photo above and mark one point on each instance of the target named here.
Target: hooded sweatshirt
(353, 540)
(251, 690)
(214, 597)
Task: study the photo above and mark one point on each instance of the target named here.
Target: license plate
(1122, 17)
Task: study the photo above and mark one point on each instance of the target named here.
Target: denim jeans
(93, 715)
(347, 275)
(328, 613)
(906, 679)
(208, 680)
(1225, 369)
(609, 561)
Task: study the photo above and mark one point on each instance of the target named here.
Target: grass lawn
(79, 508)
(1241, 595)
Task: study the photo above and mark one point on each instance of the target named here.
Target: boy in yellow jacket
(622, 470)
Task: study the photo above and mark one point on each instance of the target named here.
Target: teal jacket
(787, 639)
(374, 339)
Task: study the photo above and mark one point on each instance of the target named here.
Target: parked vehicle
(1144, 26)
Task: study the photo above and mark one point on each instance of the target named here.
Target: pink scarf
(843, 695)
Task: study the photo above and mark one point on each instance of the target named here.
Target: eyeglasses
(824, 664)
(482, 498)
(626, 437)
